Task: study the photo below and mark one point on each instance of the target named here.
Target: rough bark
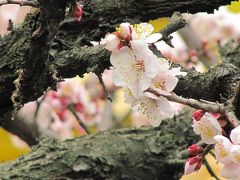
(145, 153)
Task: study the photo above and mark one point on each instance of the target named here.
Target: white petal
(134, 88)
(235, 135)
(231, 171)
(213, 121)
(141, 49)
(150, 95)
(112, 42)
(223, 140)
(144, 83)
(148, 107)
(122, 58)
(165, 107)
(117, 78)
(152, 66)
(235, 153)
(153, 38)
(129, 97)
(177, 72)
(222, 154)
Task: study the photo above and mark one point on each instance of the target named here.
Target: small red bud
(79, 107)
(194, 149)
(197, 115)
(77, 12)
(62, 115)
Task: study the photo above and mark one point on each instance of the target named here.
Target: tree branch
(145, 153)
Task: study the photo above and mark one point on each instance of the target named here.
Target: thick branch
(145, 153)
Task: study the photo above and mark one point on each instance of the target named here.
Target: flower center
(159, 85)
(139, 65)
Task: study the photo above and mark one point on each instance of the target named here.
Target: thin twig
(177, 22)
(207, 149)
(232, 118)
(20, 3)
(210, 107)
(104, 87)
(210, 170)
(72, 110)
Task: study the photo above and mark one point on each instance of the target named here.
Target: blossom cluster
(55, 119)
(136, 68)
(211, 127)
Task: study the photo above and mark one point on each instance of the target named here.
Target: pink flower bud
(197, 115)
(194, 149)
(77, 12)
(192, 164)
(62, 115)
(79, 107)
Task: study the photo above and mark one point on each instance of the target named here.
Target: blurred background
(195, 46)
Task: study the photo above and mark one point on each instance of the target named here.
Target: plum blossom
(134, 68)
(228, 152)
(156, 107)
(222, 149)
(126, 33)
(137, 69)
(207, 127)
(153, 108)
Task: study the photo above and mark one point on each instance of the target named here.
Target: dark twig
(177, 22)
(72, 110)
(210, 170)
(104, 87)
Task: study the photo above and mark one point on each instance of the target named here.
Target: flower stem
(72, 110)
(210, 170)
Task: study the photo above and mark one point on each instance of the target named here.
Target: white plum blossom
(126, 33)
(134, 68)
(228, 152)
(207, 127)
(154, 108)
(222, 149)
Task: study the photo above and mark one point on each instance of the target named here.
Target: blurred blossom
(13, 12)
(54, 118)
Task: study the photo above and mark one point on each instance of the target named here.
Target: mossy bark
(144, 153)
